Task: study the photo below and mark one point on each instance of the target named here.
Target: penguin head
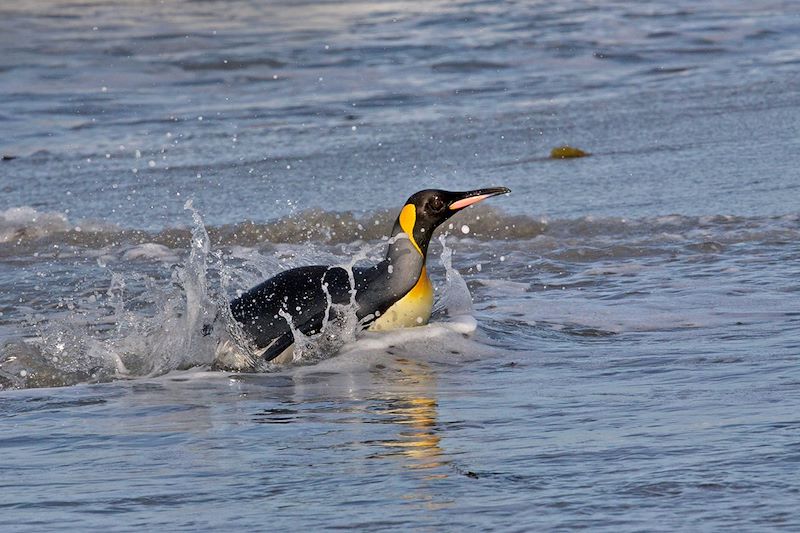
(427, 209)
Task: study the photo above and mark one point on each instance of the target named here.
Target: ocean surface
(615, 345)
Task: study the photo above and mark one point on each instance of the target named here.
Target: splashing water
(143, 325)
(171, 338)
(455, 299)
(342, 327)
(341, 324)
(122, 333)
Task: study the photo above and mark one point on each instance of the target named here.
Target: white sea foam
(150, 251)
(17, 222)
(27, 223)
(442, 341)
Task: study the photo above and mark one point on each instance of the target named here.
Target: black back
(300, 293)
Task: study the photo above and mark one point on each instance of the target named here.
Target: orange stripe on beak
(466, 202)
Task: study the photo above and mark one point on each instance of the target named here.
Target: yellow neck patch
(423, 288)
(413, 309)
(408, 217)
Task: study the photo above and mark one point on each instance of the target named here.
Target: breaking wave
(24, 227)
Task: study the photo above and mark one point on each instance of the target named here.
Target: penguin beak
(466, 199)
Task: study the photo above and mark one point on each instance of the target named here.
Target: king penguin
(395, 293)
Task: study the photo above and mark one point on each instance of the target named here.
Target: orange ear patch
(408, 217)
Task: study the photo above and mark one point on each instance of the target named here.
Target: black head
(427, 209)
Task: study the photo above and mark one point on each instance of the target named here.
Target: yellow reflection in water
(413, 406)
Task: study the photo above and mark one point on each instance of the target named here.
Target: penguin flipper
(311, 326)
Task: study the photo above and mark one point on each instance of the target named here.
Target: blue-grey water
(630, 360)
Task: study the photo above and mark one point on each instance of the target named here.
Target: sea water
(614, 345)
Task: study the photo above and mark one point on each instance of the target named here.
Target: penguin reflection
(413, 407)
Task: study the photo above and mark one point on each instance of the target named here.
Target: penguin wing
(301, 295)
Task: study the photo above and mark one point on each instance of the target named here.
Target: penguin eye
(436, 204)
